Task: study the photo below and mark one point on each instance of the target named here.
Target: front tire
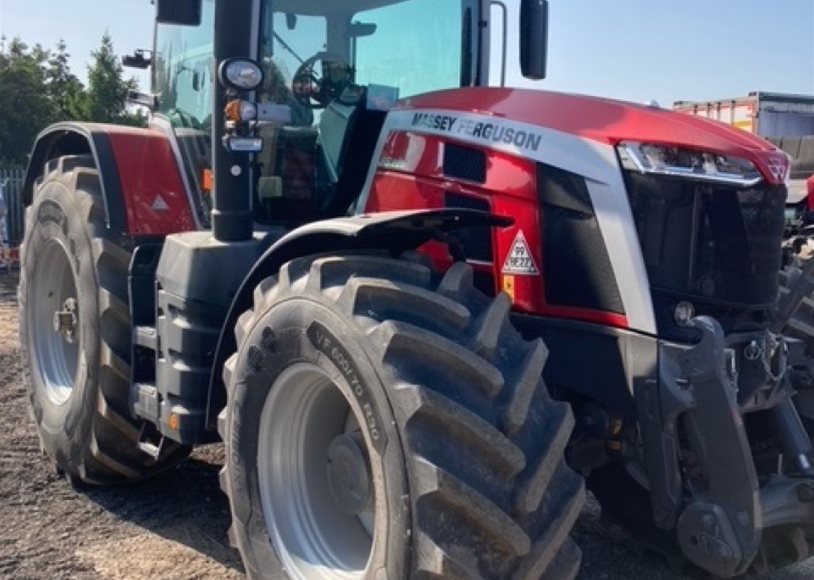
(75, 331)
(383, 422)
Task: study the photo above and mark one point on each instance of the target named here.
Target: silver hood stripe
(595, 161)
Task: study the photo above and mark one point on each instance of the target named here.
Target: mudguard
(144, 192)
(396, 232)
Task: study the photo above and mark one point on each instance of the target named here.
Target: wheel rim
(54, 335)
(309, 459)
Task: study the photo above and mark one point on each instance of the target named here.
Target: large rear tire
(75, 331)
(383, 422)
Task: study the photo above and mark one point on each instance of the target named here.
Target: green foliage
(25, 104)
(105, 100)
(64, 88)
(37, 88)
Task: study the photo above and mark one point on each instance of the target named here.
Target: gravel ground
(174, 526)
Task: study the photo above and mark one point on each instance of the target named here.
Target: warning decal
(520, 260)
(159, 204)
(508, 286)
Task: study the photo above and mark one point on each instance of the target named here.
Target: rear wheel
(386, 423)
(75, 331)
(801, 326)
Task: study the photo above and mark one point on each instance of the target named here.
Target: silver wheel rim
(303, 417)
(56, 349)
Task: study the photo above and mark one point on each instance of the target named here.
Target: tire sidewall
(57, 216)
(299, 330)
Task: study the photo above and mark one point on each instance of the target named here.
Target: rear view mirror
(290, 20)
(534, 38)
(138, 59)
(178, 12)
(361, 29)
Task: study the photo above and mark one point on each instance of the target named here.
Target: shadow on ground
(184, 505)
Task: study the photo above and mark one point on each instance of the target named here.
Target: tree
(65, 89)
(25, 104)
(37, 88)
(105, 100)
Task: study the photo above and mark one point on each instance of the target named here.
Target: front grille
(720, 244)
(718, 247)
(464, 163)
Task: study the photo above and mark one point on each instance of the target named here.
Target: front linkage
(727, 454)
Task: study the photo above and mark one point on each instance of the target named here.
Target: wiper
(285, 45)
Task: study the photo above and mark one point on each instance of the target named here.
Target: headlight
(240, 74)
(654, 159)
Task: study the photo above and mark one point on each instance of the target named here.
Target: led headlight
(648, 158)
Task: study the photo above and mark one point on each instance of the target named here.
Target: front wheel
(383, 422)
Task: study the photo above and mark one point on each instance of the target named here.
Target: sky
(637, 50)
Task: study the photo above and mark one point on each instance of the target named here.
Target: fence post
(14, 178)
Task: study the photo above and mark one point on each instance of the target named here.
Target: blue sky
(630, 49)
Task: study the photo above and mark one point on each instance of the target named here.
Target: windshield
(338, 67)
(409, 46)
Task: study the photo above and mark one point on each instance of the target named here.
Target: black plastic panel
(578, 272)
(617, 359)
(477, 241)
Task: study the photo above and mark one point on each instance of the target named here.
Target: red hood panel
(608, 121)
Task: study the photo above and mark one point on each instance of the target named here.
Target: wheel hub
(349, 477)
(66, 320)
(316, 485)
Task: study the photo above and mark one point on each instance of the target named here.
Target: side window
(184, 71)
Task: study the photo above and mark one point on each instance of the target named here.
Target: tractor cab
(332, 70)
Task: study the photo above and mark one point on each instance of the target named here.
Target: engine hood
(609, 122)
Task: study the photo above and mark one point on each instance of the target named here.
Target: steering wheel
(309, 87)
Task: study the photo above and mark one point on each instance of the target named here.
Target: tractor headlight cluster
(648, 158)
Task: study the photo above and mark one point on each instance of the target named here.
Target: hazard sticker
(159, 204)
(520, 260)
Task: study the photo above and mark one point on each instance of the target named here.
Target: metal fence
(13, 177)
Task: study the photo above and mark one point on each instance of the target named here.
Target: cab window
(338, 67)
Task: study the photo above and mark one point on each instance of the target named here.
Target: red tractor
(344, 249)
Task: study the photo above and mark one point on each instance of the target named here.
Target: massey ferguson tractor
(420, 309)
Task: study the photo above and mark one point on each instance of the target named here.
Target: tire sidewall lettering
(297, 339)
(330, 346)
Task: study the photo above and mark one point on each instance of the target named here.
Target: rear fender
(396, 232)
(144, 193)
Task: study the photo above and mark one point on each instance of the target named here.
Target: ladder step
(147, 441)
(147, 336)
(145, 402)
